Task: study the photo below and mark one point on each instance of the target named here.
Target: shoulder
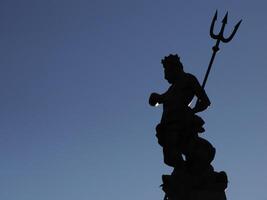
(191, 77)
(193, 82)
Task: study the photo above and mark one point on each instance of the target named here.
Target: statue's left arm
(203, 101)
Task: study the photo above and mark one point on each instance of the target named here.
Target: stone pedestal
(185, 185)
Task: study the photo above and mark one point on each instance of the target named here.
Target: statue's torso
(176, 100)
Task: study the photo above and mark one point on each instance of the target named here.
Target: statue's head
(172, 67)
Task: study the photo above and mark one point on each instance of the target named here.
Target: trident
(219, 38)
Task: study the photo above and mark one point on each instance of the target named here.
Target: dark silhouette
(178, 131)
(179, 124)
(193, 177)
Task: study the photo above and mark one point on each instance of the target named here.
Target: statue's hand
(200, 106)
(154, 99)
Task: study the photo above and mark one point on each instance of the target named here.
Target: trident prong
(219, 37)
(233, 33)
(212, 26)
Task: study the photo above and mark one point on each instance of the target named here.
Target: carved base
(183, 185)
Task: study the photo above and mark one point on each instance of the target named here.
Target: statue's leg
(171, 151)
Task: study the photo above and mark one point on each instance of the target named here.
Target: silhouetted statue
(193, 177)
(179, 125)
(178, 131)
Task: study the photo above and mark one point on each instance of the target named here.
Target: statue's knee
(170, 162)
(172, 158)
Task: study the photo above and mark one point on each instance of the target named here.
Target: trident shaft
(219, 37)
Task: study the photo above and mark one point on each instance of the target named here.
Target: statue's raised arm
(203, 101)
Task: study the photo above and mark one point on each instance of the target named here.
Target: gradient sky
(75, 77)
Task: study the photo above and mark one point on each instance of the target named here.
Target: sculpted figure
(178, 129)
(193, 177)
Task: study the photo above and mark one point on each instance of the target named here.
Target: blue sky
(75, 77)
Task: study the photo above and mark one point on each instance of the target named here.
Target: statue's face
(171, 73)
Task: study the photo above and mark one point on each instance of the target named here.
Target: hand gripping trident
(219, 38)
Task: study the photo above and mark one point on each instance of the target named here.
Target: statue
(178, 133)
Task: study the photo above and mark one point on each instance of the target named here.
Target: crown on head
(173, 60)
